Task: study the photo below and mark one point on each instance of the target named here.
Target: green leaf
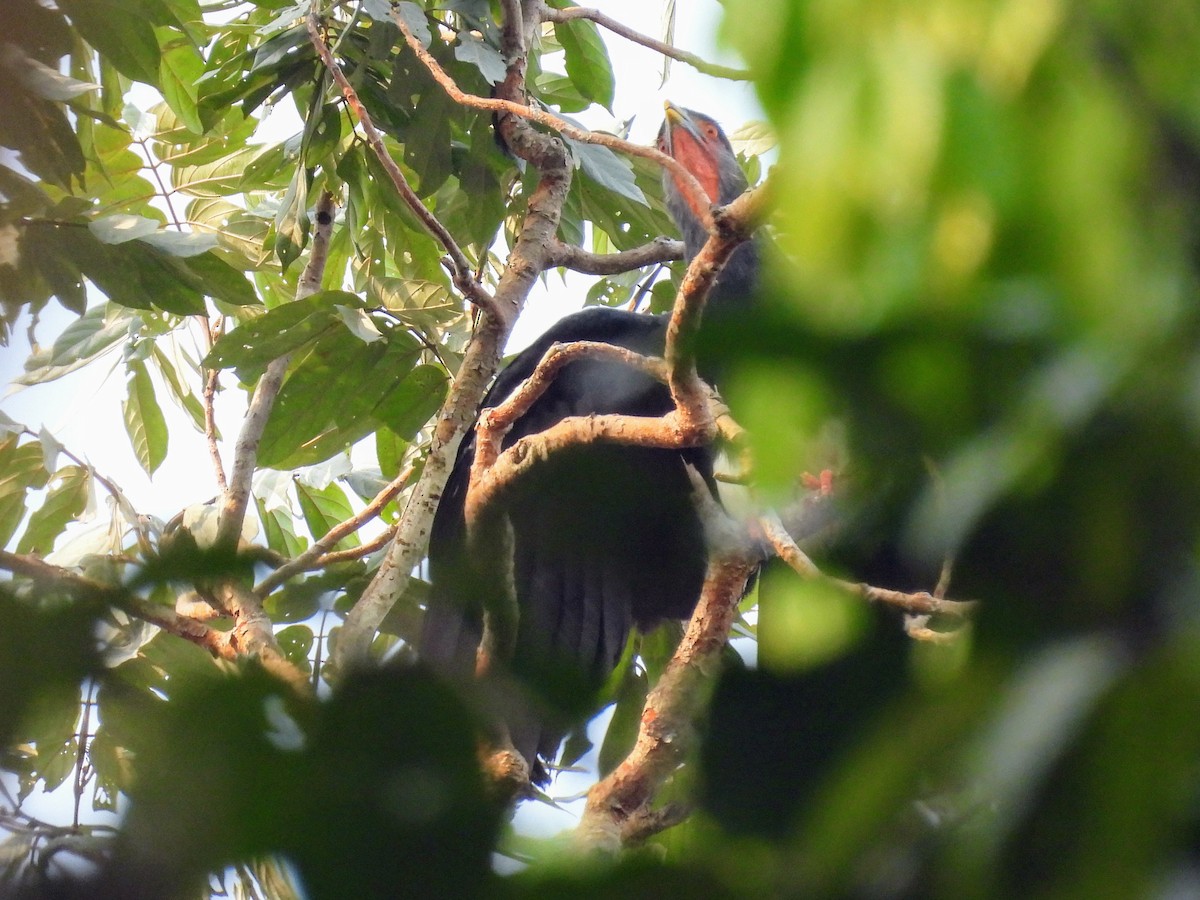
(291, 222)
(280, 530)
(481, 55)
(560, 91)
(587, 61)
(295, 602)
(64, 503)
(133, 273)
(427, 145)
(220, 280)
(331, 397)
(20, 469)
(118, 229)
(295, 642)
(123, 38)
(179, 71)
(144, 420)
(280, 330)
(181, 244)
(323, 136)
(86, 339)
(43, 81)
(184, 395)
(413, 401)
(20, 466)
(607, 169)
(389, 451)
(626, 720)
(414, 18)
(323, 508)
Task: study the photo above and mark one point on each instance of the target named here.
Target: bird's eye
(710, 130)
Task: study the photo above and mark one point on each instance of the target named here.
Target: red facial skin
(698, 159)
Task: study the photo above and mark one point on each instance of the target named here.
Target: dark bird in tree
(604, 536)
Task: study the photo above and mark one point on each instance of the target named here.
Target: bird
(604, 537)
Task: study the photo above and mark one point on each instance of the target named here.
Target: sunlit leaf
(323, 508)
(144, 421)
(64, 503)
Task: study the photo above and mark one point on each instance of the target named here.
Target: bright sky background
(83, 409)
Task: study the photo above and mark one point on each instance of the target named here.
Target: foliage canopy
(987, 214)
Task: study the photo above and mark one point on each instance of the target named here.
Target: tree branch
(687, 181)
(692, 421)
(212, 382)
(667, 725)
(528, 259)
(462, 273)
(365, 549)
(918, 603)
(245, 456)
(579, 12)
(164, 617)
(659, 250)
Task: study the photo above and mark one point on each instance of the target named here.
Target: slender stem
(917, 603)
(701, 65)
(212, 384)
(81, 755)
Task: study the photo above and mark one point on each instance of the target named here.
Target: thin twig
(320, 548)
(918, 603)
(81, 752)
(108, 484)
(212, 384)
(365, 549)
(691, 59)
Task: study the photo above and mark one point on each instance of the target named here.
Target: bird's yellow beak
(675, 115)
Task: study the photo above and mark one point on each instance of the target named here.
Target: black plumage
(604, 536)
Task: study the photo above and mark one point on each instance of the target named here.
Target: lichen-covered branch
(529, 257)
(659, 250)
(245, 454)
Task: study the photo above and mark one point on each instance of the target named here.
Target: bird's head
(698, 143)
